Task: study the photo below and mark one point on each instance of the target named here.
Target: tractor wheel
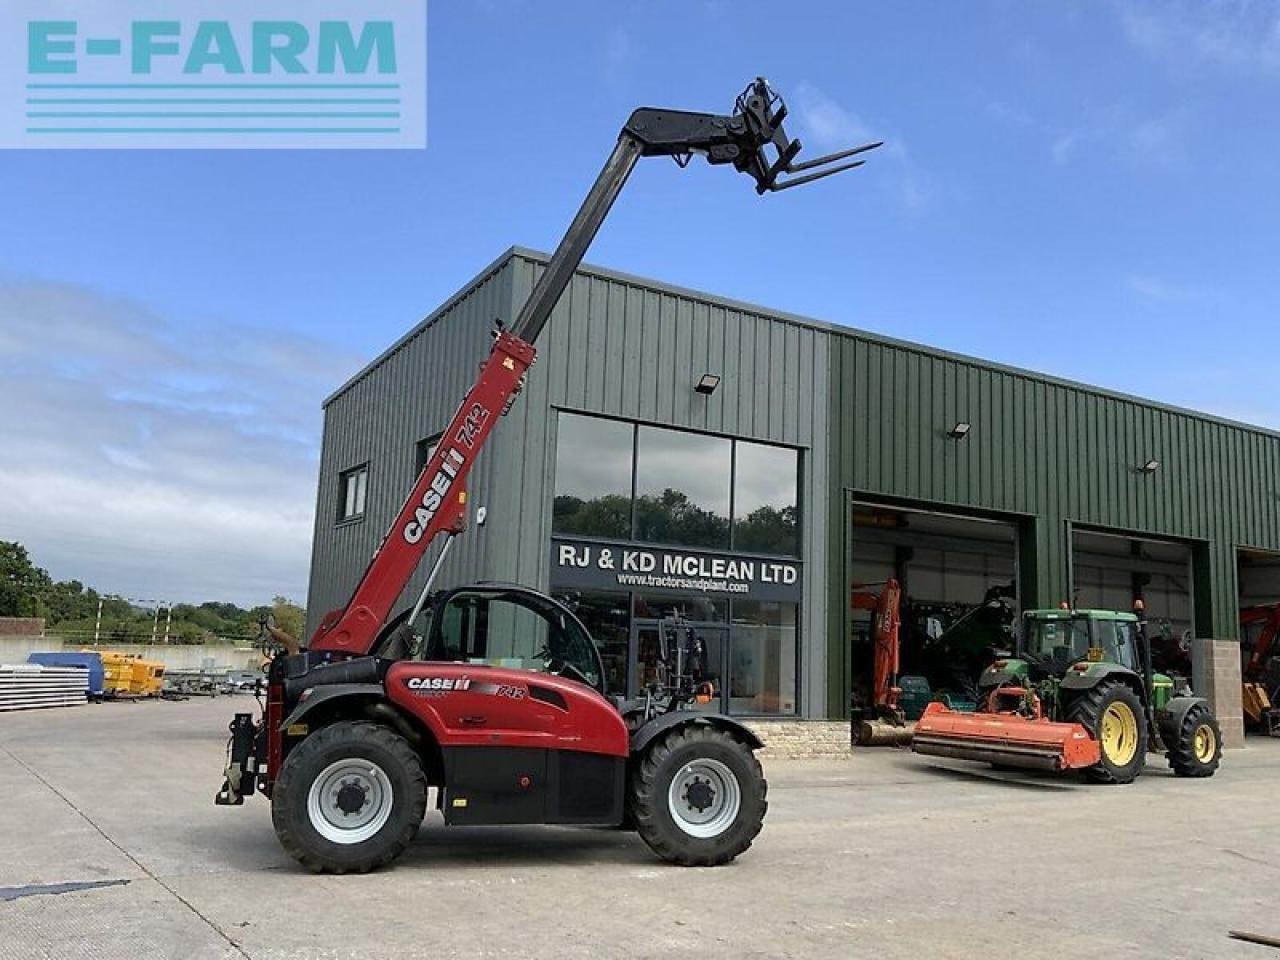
(697, 796)
(1113, 715)
(1197, 751)
(350, 798)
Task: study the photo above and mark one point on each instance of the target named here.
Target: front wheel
(1197, 749)
(697, 796)
(350, 798)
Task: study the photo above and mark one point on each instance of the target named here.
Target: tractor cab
(1059, 638)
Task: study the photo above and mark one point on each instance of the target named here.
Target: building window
(593, 477)
(766, 506)
(762, 658)
(623, 481)
(352, 487)
(682, 488)
(423, 451)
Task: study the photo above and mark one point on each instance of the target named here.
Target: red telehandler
(359, 724)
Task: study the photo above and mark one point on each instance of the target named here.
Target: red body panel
(436, 504)
(1068, 745)
(473, 705)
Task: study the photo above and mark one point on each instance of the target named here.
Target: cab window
(509, 630)
(1118, 640)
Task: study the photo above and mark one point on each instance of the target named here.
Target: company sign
(600, 566)
(213, 73)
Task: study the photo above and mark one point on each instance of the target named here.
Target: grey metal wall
(404, 396)
(633, 348)
(615, 345)
(870, 414)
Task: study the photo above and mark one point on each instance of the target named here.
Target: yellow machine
(147, 678)
(130, 676)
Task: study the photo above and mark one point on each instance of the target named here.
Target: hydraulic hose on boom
(753, 141)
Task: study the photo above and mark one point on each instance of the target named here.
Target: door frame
(651, 623)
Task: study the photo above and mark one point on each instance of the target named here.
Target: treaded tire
(1088, 708)
(308, 760)
(648, 795)
(1182, 753)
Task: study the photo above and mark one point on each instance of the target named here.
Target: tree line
(672, 517)
(70, 609)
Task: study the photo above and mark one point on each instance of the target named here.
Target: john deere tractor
(1078, 693)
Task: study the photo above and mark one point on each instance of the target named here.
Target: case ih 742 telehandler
(357, 727)
(1079, 693)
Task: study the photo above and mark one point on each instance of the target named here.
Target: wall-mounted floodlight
(1150, 467)
(707, 384)
(960, 430)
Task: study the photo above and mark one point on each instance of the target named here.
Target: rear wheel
(1197, 750)
(1113, 715)
(350, 798)
(697, 796)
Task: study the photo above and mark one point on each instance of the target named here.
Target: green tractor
(1079, 692)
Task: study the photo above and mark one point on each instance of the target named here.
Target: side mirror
(481, 514)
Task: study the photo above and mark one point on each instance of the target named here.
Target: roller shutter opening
(959, 595)
(1112, 571)
(1258, 577)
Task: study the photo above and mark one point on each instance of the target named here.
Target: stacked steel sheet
(25, 686)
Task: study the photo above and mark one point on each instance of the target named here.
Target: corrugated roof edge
(856, 333)
(537, 256)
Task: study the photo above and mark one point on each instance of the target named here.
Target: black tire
(1188, 755)
(1088, 710)
(321, 755)
(680, 753)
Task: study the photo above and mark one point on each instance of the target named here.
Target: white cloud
(1116, 131)
(1064, 146)
(1154, 288)
(154, 459)
(1239, 35)
(829, 125)
(826, 126)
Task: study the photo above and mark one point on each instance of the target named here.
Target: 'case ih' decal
(437, 684)
(434, 495)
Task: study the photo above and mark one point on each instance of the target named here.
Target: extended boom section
(751, 139)
(514, 724)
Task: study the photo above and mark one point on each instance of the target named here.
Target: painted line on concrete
(134, 860)
(53, 889)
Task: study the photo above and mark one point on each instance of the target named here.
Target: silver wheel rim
(350, 801)
(704, 798)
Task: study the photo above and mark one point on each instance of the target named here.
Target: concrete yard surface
(110, 846)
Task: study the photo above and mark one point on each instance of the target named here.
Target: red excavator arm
(752, 140)
(886, 625)
(1268, 618)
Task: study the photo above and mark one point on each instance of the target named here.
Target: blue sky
(1083, 189)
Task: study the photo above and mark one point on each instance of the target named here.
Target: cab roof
(1058, 614)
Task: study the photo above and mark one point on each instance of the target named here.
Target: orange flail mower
(1005, 738)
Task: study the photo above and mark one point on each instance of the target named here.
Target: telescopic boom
(752, 139)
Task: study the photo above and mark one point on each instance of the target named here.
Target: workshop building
(675, 452)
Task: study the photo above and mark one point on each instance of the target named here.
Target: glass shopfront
(651, 523)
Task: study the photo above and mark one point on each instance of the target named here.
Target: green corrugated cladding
(1049, 455)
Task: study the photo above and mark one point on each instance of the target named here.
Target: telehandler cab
(499, 701)
(1078, 693)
